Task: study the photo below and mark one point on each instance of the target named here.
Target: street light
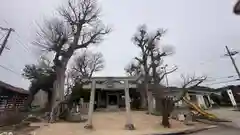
(165, 71)
(236, 8)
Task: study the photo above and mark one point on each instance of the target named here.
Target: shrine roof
(13, 88)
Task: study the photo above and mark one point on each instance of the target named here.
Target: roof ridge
(13, 88)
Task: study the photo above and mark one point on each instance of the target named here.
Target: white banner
(230, 94)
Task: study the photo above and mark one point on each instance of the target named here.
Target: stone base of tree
(129, 127)
(74, 117)
(88, 126)
(33, 119)
(22, 125)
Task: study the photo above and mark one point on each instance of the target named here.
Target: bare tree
(150, 59)
(79, 27)
(156, 59)
(157, 77)
(190, 81)
(133, 69)
(83, 68)
(142, 39)
(156, 56)
(149, 62)
(86, 64)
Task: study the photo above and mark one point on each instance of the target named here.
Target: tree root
(88, 126)
(129, 127)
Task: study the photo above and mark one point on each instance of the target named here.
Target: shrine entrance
(112, 101)
(111, 84)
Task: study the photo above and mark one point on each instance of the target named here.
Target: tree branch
(169, 72)
(94, 37)
(86, 64)
(188, 80)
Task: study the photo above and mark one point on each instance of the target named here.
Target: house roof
(13, 88)
(115, 78)
(198, 89)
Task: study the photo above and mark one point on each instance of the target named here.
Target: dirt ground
(111, 123)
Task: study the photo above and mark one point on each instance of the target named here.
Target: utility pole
(230, 54)
(165, 72)
(6, 39)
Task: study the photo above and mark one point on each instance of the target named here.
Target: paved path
(225, 113)
(219, 131)
(229, 114)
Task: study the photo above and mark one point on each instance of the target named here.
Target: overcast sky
(198, 29)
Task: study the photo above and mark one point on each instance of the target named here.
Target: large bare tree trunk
(159, 96)
(58, 93)
(150, 102)
(129, 125)
(167, 108)
(144, 94)
(143, 100)
(28, 102)
(91, 106)
(149, 96)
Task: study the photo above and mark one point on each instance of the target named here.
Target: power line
(24, 45)
(203, 64)
(223, 82)
(8, 69)
(2, 37)
(6, 22)
(222, 56)
(225, 77)
(21, 42)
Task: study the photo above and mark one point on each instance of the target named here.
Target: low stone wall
(84, 107)
(11, 117)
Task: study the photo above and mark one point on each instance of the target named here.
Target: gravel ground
(112, 123)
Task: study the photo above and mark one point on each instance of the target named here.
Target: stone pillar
(81, 101)
(200, 100)
(118, 100)
(107, 100)
(188, 97)
(91, 106)
(150, 102)
(210, 101)
(129, 125)
(154, 103)
(203, 102)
